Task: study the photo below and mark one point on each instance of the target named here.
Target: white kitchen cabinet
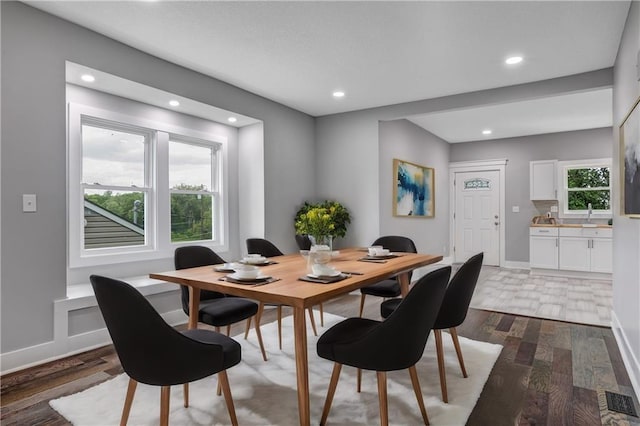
(586, 249)
(542, 180)
(543, 248)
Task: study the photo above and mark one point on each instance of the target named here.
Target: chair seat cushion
(231, 349)
(226, 310)
(332, 344)
(386, 288)
(388, 306)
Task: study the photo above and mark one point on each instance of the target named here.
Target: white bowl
(246, 272)
(254, 258)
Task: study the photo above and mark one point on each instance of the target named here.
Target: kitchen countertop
(568, 225)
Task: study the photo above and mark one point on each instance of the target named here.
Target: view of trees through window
(191, 214)
(589, 185)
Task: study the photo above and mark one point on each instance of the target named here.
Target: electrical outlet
(28, 202)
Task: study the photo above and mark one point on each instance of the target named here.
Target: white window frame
(563, 166)
(158, 243)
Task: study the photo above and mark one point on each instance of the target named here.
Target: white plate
(333, 274)
(258, 278)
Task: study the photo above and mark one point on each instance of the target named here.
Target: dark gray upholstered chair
(303, 241)
(395, 344)
(267, 249)
(216, 309)
(452, 313)
(154, 353)
(390, 287)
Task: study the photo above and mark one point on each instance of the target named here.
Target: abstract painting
(630, 163)
(412, 190)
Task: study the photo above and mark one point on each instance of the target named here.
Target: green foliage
(590, 185)
(322, 219)
(191, 214)
(120, 204)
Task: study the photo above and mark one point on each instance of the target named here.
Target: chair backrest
(397, 243)
(263, 247)
(150, 350)
(399, 341)
(459, 293)
(192, 257)
(303, 241)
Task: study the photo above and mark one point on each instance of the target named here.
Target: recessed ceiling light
(338, 94)
(513, 60)
(88, 78)
(487, 132)
(232, 119)
(174, 103)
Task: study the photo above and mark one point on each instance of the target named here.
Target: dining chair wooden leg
(228, 329)
(333, 383)
(280, 326)
(321, 316)
(456, 343)
(382, 398)
(165, 393)
(131, 390)
(359, 380)
(443, 376)
(228, 399)
(258, 332)
(185, 393)
(416, 389)
(313, 321)
(246, 329)
(362, 297)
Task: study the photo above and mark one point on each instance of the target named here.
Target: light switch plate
(515, 209)
(28, 202)
(554, 209)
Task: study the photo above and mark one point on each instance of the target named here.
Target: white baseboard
(630, 359)
(510, 264)
(67, 346)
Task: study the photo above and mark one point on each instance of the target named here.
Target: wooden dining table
(300, 295)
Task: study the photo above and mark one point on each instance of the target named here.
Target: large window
(586, 186)
(138, 188)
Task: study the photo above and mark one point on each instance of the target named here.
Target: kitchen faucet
(589, 211)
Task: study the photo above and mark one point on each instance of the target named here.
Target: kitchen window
(586, 188)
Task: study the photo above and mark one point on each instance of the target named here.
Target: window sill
(82, 295)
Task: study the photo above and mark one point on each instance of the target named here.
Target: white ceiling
(380, 53)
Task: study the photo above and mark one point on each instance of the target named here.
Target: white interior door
(477, 216)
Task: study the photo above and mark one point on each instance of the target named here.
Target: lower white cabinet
(571, 249)
(543, 248)
(586, 249)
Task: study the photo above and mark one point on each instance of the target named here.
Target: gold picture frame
(630, 163)
(413, 190)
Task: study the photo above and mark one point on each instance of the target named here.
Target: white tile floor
(586, 301)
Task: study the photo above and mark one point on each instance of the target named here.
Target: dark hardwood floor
(549, 373)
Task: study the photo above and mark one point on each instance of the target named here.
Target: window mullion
(163, 195)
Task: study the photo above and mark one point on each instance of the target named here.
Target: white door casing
(477, 209)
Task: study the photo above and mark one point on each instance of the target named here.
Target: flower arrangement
(321, 220)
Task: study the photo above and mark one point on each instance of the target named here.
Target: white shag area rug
(264, 393)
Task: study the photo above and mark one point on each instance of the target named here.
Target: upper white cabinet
(542, 180)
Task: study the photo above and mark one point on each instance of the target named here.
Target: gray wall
(348, 147)
(626, 232)
(404, 140)
(577, 145)
(35, 46)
